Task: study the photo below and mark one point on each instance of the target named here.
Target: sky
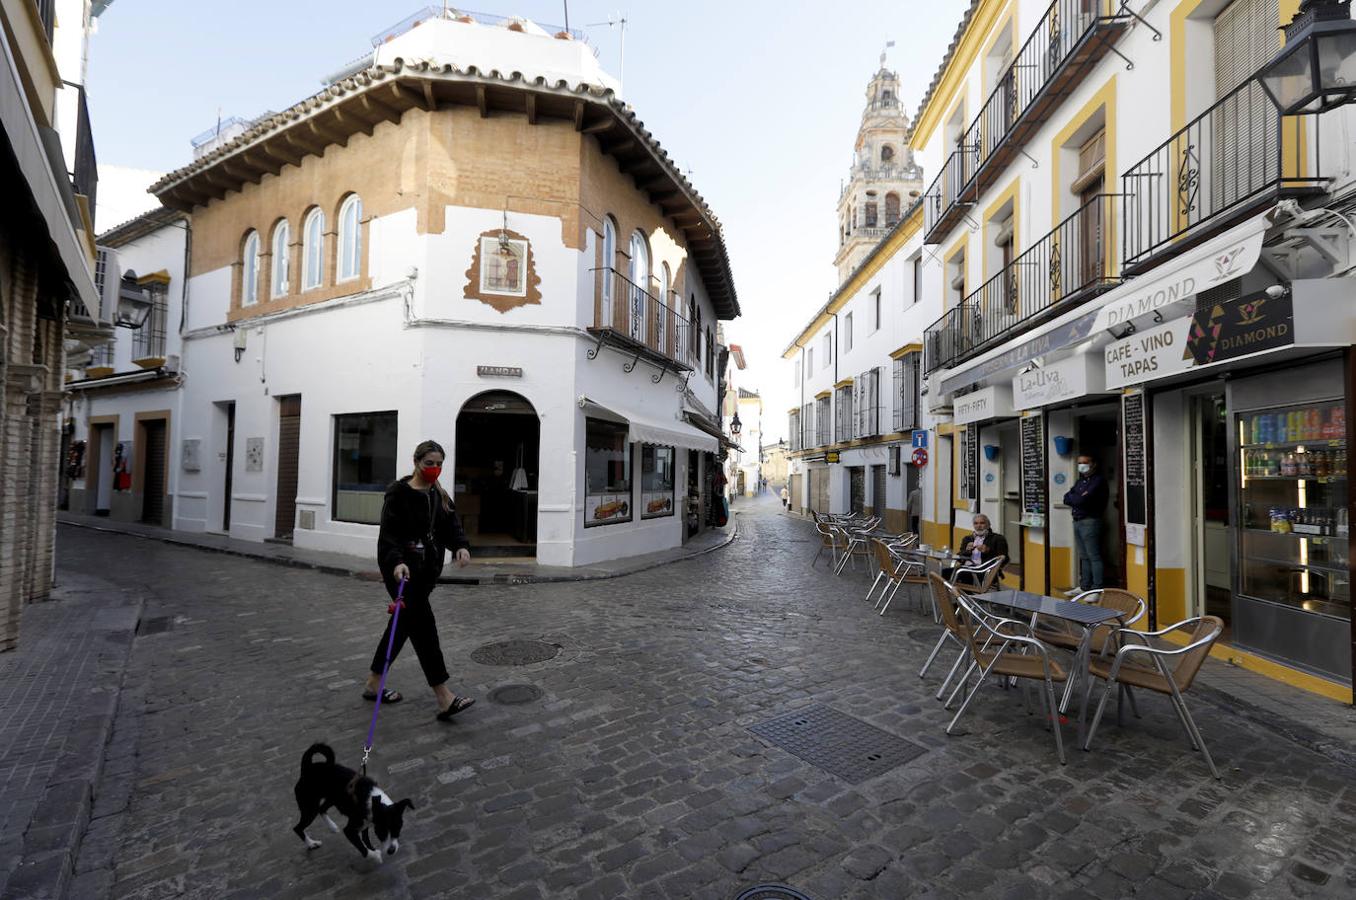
(758, 100)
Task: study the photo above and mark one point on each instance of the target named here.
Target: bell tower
(884, 180)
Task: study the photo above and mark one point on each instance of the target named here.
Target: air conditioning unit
(172, 363)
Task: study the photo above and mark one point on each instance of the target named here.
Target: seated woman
(980, 547)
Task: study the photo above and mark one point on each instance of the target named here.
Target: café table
(1087, 616)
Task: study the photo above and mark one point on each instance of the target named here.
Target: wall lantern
(1316, 69)
(134, 307)
(735, 425)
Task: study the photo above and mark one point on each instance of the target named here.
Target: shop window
(364, 465)
(607, 473)
(656, 482)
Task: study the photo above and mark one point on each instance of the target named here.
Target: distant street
(634, 774)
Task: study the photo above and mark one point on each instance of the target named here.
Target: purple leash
(394, 609)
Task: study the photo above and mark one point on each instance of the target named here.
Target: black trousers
(415, 623)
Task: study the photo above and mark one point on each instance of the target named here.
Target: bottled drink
(1321, 467)
(1341, 463)
(1304, 463)
(1288, 465)
(1315, 424)
(1255, 430)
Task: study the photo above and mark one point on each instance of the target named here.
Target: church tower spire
(884, 179)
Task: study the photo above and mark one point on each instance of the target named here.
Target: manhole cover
(514, 653)
(772, 892)
(837, 743)
(155, 625)
(513, 694)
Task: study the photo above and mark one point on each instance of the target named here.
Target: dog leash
(394, 610)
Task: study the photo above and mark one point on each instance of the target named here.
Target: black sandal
(387, 696)
(456, 706)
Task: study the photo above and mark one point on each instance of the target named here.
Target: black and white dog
(325, 783)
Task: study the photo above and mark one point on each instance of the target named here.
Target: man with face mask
(1087, 498)
(980, 546)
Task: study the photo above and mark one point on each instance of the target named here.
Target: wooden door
(230, 467)
(289, 446)
(153, 478)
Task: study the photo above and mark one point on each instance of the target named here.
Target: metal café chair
(828, 540)
(1059, 633)
(1127, 668)
(857, 538)
(1030, 660)
(892, 546)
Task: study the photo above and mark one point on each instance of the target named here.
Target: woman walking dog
(417, 524)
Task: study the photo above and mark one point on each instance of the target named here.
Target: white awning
(647, 431)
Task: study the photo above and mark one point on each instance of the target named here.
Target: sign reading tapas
(499, 371)
(1147, 355)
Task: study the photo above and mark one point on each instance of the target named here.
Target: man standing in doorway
(1087, 498)
(914, 507)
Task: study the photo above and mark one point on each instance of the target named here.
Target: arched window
(662, 326)
(891, 208)
(871, 214)
(887, 155)
(249, 270)
(313, 250)
(640, 280)
(350, 238)
(609, 261)
(279, 280)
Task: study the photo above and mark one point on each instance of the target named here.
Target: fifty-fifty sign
(986, 403)
(500, 371)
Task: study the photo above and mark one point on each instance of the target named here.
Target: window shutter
(899, 395)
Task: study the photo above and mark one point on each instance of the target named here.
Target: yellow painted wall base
(935, 533)
(1033, 566)
(1062, 573)
(1274, 670)
(1170, 596)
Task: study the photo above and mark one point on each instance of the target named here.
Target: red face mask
(430, 473)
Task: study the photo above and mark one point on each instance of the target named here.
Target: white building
(432, 248)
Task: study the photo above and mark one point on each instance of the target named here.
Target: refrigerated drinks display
(1293, 507)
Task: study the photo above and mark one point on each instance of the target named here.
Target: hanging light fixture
(134, 306)
(1316, 69)
(505, 248)
(735, 425)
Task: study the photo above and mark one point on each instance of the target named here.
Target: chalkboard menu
(1033, 471)
(969, 476)
(1136, 482)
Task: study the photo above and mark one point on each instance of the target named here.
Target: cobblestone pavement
(635, 774)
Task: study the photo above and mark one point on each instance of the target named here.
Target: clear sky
(759, 99)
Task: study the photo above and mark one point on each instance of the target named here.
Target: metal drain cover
(155, 625)
(514, 653)
(513, 694)
(772, 892)
(837, 743)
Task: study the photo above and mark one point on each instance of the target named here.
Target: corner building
(466, 236)
(1138, 259)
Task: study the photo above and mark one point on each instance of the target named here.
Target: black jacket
(1087, 498)
(994, 545)
(415, 530)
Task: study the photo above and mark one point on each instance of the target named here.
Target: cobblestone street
(634, 774)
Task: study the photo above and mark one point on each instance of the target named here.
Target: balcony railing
(1236, 156)
(629, 311)
(1068, 39)
(85, 178)
(1075, 261)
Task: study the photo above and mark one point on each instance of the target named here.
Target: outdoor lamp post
(134, 307)
(1316, 69)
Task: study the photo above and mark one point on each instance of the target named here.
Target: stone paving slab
(61, 690)
(634, 774)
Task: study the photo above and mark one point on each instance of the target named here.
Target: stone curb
(371, 575)
(1291, 729)
(52, 838)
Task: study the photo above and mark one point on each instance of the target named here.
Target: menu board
(1033, 471)
(1136, 482)
(969, 475)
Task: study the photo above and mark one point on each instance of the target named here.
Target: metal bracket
(663, 370)
(682, 388)
(1034, 164)
(1158, 35)
(1128, 63)
(631, 366)
(602, 339)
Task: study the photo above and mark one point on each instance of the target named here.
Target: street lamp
(134, 307)
(1316, 69)
(735, 425)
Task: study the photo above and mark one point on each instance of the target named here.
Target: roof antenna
(612, 22)
(566, 4)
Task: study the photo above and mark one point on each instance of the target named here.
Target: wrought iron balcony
(1067, 41)
(1075, 261)
(632, 319)
(1237, 156)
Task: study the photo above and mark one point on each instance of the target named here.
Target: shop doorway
(1008, 522)
(1213, 535)
(1099, 436)
(878, 506)
(153, 472)
(819, 490)
(498, 461)
(857, 489)
(289, 452)
(230, 467)
(101, 468)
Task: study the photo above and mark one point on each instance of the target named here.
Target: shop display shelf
(1321, 479)
(1291, 445)
(1316, 538)
(1339, 568)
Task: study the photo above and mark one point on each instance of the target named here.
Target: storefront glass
(1293, 501)
(364, 465)
(656, 482)
(607, 473)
